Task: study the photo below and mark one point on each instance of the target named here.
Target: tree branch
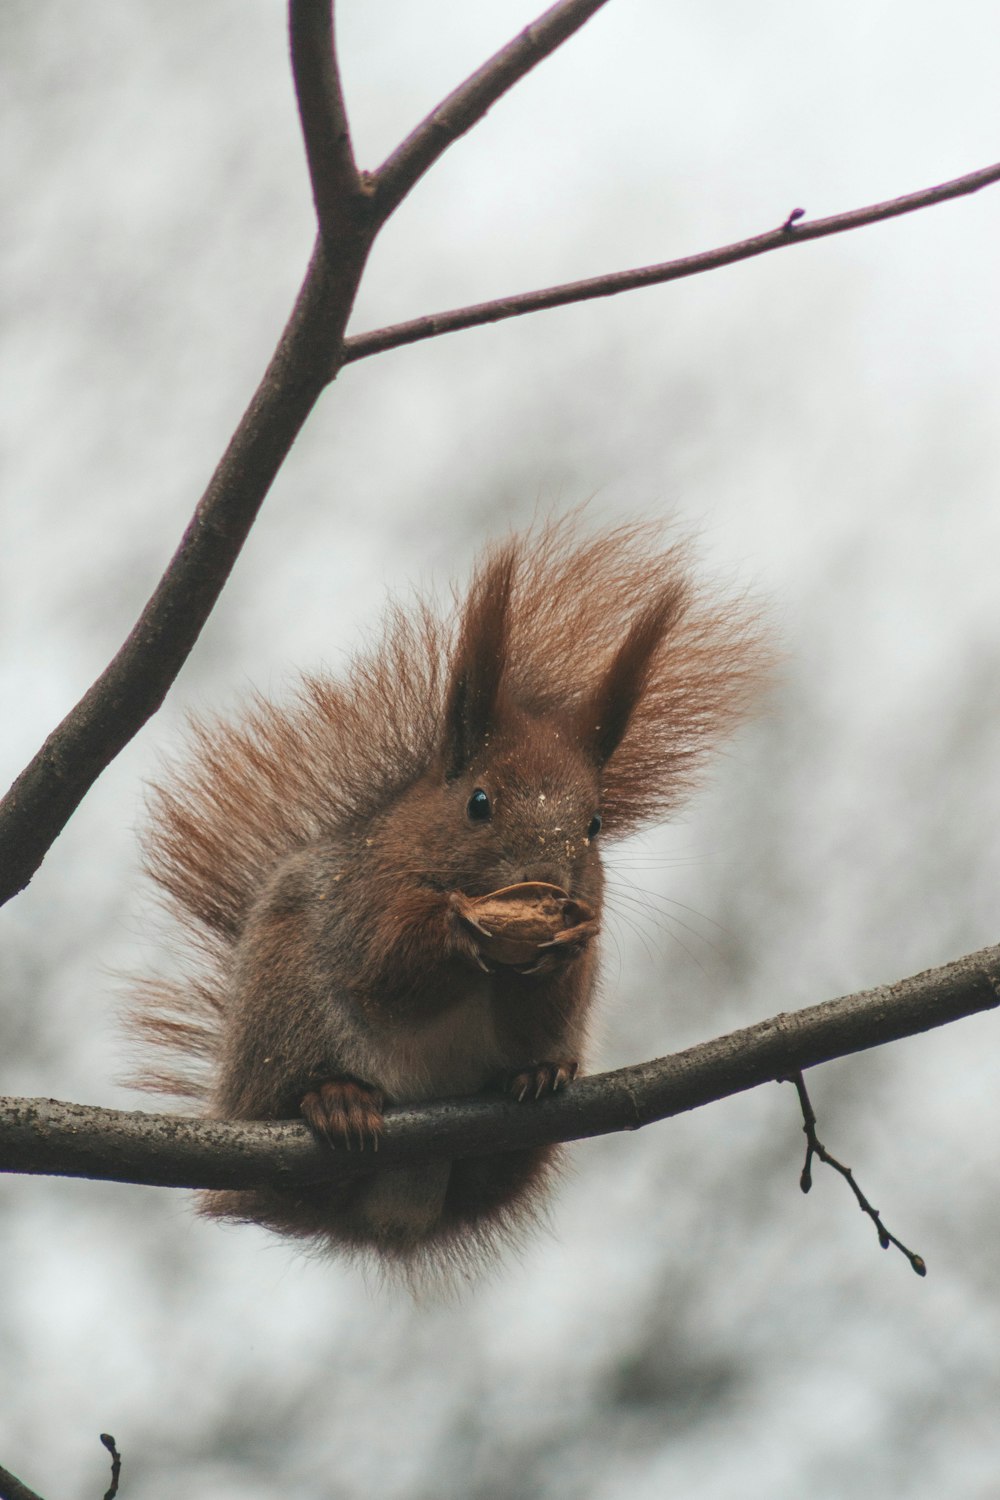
(815, 1147)
(130, 690)
(132, 687)
(336, 182)
(467, 104)
(72, 1140)
(793, 231)
(11, 1488)
(116, 1465)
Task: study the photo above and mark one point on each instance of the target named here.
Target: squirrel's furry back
(341, 752)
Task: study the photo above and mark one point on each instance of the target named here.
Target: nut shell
(517, 919)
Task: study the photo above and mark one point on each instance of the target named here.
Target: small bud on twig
(814, 1147)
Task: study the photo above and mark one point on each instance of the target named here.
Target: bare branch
(791, 232)
(11, 1488)
(71, 1140)
(815, 1147)
(132, 687)
(336, 182)
(464, 107)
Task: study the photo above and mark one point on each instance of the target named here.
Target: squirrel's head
(524, 782)
(526, 806)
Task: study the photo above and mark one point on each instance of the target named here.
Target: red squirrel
(325, 856)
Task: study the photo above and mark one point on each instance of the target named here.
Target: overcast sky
(826, 420)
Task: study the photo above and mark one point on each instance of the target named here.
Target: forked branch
(350, 208)
(131, 688)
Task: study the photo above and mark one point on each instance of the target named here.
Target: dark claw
(344, 1109)
(538, 967)
(467, 930)
(477, 927)
(570, 938)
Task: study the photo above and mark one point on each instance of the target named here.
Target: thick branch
(70, 1140)
(131, 689)
(11, 1487)
(133, 686)
(792, 232)
(470, 101)
(336, 183)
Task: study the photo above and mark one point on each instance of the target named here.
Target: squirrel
(325, 856)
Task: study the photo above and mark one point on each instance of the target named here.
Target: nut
(518, 919)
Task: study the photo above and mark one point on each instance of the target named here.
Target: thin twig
(45, 1136)
(815, 1147)
(792, 232)
(336, 182)
(116, 1465)
(467, 104)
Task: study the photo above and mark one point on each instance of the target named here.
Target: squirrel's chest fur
(455, 1052)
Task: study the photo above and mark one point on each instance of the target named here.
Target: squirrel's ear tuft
(478, 662)
(604, 716)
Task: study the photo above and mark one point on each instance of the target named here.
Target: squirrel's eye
(479, 808)
(595, 826)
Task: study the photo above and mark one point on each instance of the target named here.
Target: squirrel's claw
(571, 939)
(465, 930)
(345, 1109)
(567, 944)
(466, 920)
(540, 1079)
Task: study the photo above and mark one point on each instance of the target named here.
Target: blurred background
(826, 420)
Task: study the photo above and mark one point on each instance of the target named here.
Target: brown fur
(312, 852)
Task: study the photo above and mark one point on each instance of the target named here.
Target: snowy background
(826, 418)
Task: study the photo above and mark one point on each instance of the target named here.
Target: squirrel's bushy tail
(340, 752)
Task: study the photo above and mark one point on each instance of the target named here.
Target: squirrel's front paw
(466, 932)
(344, 1110)
(540, 1079)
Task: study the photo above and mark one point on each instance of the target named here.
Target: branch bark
(11, 1488)
(350, 209)
(467, 105)
(130, 690)
(132, 687)
(326, 131)
(792, 232)
(72, 1140)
